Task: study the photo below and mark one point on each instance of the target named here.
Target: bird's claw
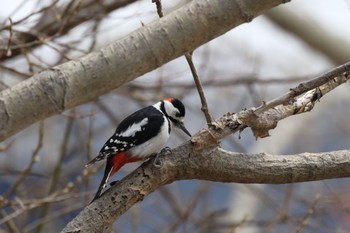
(165, 151)
(156, 162)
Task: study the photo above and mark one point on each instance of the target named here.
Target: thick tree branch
(70, 84)
(213, 164)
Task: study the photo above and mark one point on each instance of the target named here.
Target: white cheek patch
(134, 128)
(171, 111)
(168, 108)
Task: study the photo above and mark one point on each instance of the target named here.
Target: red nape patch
(119, 160)
(169, 99)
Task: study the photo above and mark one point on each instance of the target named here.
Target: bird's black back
(119, 142)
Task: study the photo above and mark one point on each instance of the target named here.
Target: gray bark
(212, 164)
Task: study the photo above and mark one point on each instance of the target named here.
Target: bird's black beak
(182, 126)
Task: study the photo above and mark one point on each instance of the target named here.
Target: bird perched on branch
(139, 136)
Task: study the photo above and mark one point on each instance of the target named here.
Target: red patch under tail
(112, 166)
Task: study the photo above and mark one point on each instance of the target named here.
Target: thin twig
(57, 170)
(89, 145)
(304, 87)
(197, 81)
(159, 7)
(199, 86)
(42, 10)
(191, 205)
(308, 214)
(8, 50)
(34, 159)
(10, 224)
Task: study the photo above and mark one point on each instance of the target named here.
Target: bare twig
(200, 90)
(304, 87)
(10, 224)
(49, 26)
(8, 50)
(307, 216)
(260, 120)
(25, 205)
(159, 7)
(197, 81)
(34, 159)
(57, 170)
(50, 6)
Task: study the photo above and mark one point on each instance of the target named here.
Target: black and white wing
(134, 130)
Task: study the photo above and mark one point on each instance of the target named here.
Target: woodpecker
(139, 136)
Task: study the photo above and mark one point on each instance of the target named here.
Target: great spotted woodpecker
(139, 136)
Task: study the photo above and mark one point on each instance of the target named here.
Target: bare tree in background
(67, 79)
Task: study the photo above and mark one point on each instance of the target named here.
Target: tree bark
(213, 164)
(79, 81)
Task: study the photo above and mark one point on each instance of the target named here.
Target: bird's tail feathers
(99, 157)
(112, 166)
(103, 184)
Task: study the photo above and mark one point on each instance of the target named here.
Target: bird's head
(175, 111)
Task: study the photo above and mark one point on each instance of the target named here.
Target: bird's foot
(156, 162)
(165, 151)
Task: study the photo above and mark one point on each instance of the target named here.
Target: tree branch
(214, 164)
(197, 81)
(75, 82)
(306, 86)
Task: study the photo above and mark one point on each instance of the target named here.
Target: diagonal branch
(305, 86)
(199, 87)
(196, 78)
(75, 82)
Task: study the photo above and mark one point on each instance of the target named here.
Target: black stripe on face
(162, 108)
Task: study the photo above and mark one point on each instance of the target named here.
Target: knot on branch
(259, 124)
(228, 120)
(306, 102)
(204, 139)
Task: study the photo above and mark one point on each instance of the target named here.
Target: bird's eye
(177, 114)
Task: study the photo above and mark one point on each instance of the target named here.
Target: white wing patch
(153, 145)
(134, 128)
